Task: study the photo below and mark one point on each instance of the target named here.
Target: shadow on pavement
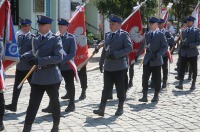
(10, 76)
(143, 106)
(13, 116)
(181, 92)
(93, 122)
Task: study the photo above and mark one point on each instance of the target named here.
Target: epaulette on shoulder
(123, 31)
(37, 35)
(20, 35)
(70, 35)
(107, 33)
(32, 35)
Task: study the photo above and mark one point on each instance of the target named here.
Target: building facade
(54, 9)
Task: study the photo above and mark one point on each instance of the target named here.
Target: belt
(47, 66)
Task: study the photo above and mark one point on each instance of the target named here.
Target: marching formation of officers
(50, 53)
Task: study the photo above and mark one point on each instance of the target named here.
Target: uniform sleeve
(197, 38)
(127, 46)
(164, 46)
(72, 51)
(54, 59)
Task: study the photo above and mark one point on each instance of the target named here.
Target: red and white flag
(169, 55)
(2, 79)
(78, 29)
(133, 25)
(195, 14)
(10, 54)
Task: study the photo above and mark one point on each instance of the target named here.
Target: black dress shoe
(119, 112)
(101, 109)
(1, 127)
(155, 99)
(193, 87)
(99, 112)
(83, 95)
(65, 97)
(11, 107)
(177, 78)
(70, 107)
(179, 87)
(55, 129)
(143, 99)
(47, 110)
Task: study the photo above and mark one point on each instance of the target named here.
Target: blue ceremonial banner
(11, 46)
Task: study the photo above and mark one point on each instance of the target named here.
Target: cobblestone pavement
(177, 110)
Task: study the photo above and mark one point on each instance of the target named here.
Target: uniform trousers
(156, 73)
(131, 72)
(118, 78)
(193, 65)
(37, 92)
(19, 76)
(83, 77)
(68, 76)
(165, 68)
(2, 107)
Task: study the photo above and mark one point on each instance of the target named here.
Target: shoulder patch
(71, 35)
(107, 33)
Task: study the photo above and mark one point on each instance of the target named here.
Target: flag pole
(5, 26)
(138, 7)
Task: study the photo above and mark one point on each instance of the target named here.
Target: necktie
(113, 34)
(23, 37)
(151, 35)
(61, 36)
(43, 37)
(188, 30)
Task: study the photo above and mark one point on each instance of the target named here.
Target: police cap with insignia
(115, 18)
(62, 21)
(161, 21)
(44, 19)
(191, 18)
(153, 20)
(25, 21)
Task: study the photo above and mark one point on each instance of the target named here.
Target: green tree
(124, 8)
(181, 8)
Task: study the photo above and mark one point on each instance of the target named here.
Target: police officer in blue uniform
(69, 47)
(189, 51)
(2, 101)
(47, 53)
(22, 68)
(114, 59)
(171, 44)
(156, 46)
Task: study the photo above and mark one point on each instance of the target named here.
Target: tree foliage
(124, 8)
(181, 8)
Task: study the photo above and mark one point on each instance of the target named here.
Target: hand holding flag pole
(101, 44)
